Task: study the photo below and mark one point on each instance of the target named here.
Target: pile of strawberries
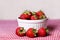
(28, 15)
(31, 32)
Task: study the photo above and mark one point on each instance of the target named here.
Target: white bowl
(36, 24)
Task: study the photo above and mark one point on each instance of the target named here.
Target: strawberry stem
(33, 13)
(47, 30)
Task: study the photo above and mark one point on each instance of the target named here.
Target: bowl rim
(30, 21)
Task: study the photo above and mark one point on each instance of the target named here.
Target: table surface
(7, 31)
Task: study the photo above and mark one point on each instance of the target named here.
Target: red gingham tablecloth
(7, 31)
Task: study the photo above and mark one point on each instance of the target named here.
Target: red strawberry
(42, 32)
(20, 18)
(31, 32)
(39, 13)
(20, 31)
(26, 15)
(34, 17)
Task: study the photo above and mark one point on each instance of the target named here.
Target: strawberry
(42, 32)
(31, 33)
(20, 31)
(20, 18)
(26, 15)
(34, 17)
(39, 13)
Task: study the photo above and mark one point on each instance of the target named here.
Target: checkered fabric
(8, 27)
